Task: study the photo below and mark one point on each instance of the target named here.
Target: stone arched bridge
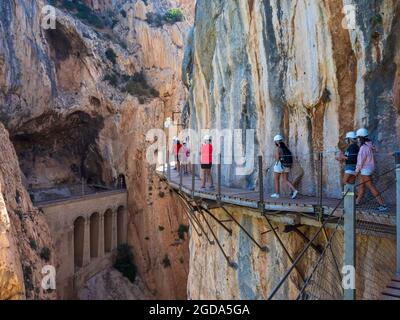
(86, 231)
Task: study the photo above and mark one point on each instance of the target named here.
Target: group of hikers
(182, 159)
(359, 162)
(358, 158)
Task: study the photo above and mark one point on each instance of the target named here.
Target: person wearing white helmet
(350, 158)
(177, 148)
(206, 160)
(365, 168)
(282, 167)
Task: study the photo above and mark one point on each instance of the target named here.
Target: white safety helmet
(175, 139)
(207, 138)
(363, 133)
(278, 138)
(351, 135)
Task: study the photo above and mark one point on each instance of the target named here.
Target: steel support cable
(217, 220)
(197, 220)
(282, 245)
(262, 248)
(322, 275)
(333, 255)
(228, 259)
(378, 176)
(302, 253)
(386, 188)
(327, 246)
(190, 215)
(193, 224)
(211, 242)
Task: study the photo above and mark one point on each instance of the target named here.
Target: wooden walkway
(392, 292)
(302, 205)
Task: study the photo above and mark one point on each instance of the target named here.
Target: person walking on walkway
(206, 162)
(365, 168)
(350, 158)
(184, 155)
(283, 165)
(177, 148)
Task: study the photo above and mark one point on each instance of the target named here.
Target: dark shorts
(206, 166)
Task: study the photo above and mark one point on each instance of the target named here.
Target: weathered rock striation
(290, 67)
(78, 101)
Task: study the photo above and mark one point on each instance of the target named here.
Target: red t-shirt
(177, 148)
(206, 154)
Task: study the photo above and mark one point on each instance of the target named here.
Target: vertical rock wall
(23, 233)
(64, 99)
(289, 67)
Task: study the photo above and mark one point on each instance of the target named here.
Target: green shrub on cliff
(174, 15)
(125, 263)
(171, 16)
(111, 55)
(182, 230)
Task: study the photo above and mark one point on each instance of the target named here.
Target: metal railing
(324, 278)
(70, 191)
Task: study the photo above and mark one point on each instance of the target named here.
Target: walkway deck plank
(250, 198)
(392, 292)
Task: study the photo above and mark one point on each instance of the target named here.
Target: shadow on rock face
(60, 150)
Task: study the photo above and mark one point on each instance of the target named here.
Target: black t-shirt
(352, 154)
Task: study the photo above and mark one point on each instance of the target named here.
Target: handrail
(77, 198)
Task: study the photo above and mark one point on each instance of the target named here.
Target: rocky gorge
(77, 100)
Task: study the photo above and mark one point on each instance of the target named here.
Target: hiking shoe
(211, 188)
(382, 208)
(275, 196)
(295, 194)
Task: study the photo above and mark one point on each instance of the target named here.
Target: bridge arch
(121, 226)
(108, 230)
(79, 238)
(94, 235)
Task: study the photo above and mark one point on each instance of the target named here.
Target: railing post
(320, 191)
(219, 177)
(261, 183)
(350, 237)
(193, 179)
(180, 177)
(397, 156)
(168, 164)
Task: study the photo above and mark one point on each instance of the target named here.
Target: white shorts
(366, 172)
(285, 170)
(350, 169)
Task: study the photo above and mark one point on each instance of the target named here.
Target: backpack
(286, 157)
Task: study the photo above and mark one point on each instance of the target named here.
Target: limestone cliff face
(78, 101)
(290, 67)
(287, 67)
(23, 233)
(258, 272)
